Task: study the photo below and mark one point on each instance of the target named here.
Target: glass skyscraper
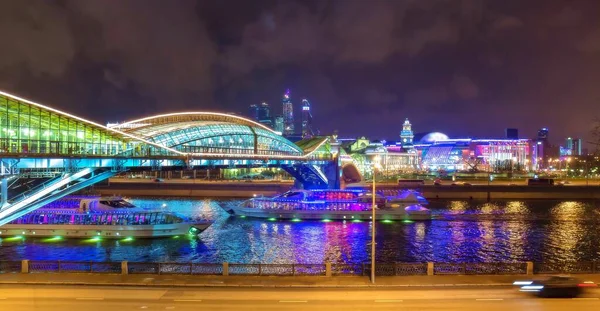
(288, 114)
(307, 130)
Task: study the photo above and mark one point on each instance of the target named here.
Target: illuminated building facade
(288, 114)
(576, 147)
(261, 114)
(393, 159)
(475, 155)
(307, 131)
(264, 115)
(279, 124)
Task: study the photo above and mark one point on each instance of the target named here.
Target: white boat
(334, 205)
(101, 218)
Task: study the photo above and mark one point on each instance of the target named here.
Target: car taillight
(586, 284)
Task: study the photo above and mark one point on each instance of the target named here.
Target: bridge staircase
(308, 175)
(51, 190)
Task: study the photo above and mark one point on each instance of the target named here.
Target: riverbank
(234, 189)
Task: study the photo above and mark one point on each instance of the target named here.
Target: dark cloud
(465, 67)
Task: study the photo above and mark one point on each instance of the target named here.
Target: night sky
(462, 67)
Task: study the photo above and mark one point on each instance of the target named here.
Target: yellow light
(89, 122)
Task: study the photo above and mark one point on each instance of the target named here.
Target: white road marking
(89, 298)
(489, 299)
(389, 300)
(188, 300)
(292, 301)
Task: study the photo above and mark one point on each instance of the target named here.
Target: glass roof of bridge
(194, 132)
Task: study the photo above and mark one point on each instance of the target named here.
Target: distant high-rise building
(279, 127)
(543, 134)
(261, 114)
(307, 130)
(288, 114)
(569, 144)
(572, 147)
(564, 151)
(576, 147)
(407, 134)
(253, 112)
(264, 115)
(512, 133)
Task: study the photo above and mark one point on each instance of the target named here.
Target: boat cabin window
(293, 195)
(117, 203)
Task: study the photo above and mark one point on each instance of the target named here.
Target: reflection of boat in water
(334, 205)
(101, 217)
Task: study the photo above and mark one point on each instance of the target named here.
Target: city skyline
(497, 65)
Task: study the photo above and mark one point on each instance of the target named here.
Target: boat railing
(123, 219)
(322, 269)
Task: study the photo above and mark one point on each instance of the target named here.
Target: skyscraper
(543, 134)
(407, 135)
(253, 112)
(569, 145)
(279, 124)
(307, 130)
(576, 148)
(264, 115)
(288, 114)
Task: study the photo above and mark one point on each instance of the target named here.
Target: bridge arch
(210, 132)
(350, 174)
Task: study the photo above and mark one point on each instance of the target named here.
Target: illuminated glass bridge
(70, 153)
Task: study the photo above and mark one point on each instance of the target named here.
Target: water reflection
(472, 231)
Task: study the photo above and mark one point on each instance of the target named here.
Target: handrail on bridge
(324, 269)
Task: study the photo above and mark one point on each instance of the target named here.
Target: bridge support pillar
(332, 172)
(430, 268)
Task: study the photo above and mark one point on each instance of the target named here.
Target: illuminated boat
(334, 205)
(100, 218)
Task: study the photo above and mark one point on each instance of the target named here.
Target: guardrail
(326, 269)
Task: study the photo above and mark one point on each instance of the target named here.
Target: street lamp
(373, 222)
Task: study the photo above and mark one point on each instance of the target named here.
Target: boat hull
(103, 231)
(383, 214)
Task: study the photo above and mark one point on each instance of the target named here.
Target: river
(467, 231)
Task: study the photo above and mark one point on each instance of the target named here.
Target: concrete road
(64, 298)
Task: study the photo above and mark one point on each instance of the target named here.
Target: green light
(242, 216)
(53, 239)
(407, 221)
(272, 219)
(176, 237)
(127, 239)
(94, 239)
(387, 221)
(326, 220)
(15, 238)
(357, 220)
(296, 219)
(193, 231)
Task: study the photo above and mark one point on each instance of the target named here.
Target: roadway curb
(255, 285)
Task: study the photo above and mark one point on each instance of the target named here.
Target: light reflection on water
(549, 231)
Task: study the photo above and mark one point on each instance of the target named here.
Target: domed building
(433, 137)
